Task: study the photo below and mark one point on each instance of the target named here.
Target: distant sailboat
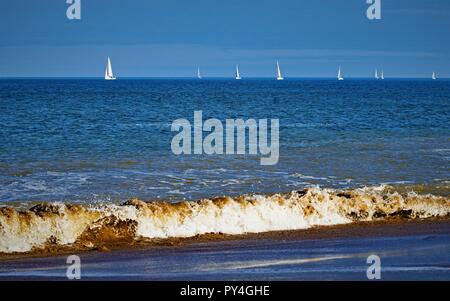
(376, 74)
(340, 77)
(279, 76)
(199, 76)
(382, 75)
(238, 75)
(108, 72)
(433, 76)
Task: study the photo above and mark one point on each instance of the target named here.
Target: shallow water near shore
(417, 250)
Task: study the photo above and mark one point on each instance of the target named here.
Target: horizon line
(213, 77)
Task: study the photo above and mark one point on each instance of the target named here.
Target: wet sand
(409, 250)
(392, 227)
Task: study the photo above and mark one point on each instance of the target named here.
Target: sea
(91, 140)
(88, 164)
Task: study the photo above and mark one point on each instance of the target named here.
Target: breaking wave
(63, 224)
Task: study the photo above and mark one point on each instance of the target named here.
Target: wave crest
(60, 224)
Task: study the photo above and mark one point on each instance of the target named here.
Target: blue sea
(90, 140)
(100, 143)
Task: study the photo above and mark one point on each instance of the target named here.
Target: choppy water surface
(92, 140)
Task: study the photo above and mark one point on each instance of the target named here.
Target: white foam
(63, 224)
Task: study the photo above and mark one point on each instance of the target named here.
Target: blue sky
(310, 38)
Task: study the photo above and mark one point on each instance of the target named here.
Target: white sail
(109, 75)
(433, 76)
(279, 76)
(376, 74)
(340, 77)
(382, 75)
(238, 75)
(199, 76)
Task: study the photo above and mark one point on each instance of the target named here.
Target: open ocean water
(89, 140)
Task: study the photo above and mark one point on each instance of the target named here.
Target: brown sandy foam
(396, 226)
(53, 226)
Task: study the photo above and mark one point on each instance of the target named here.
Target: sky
(171, 38)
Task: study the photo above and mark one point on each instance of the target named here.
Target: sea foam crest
(60, 224)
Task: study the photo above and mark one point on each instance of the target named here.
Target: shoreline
(392, 227)
(52, 228)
